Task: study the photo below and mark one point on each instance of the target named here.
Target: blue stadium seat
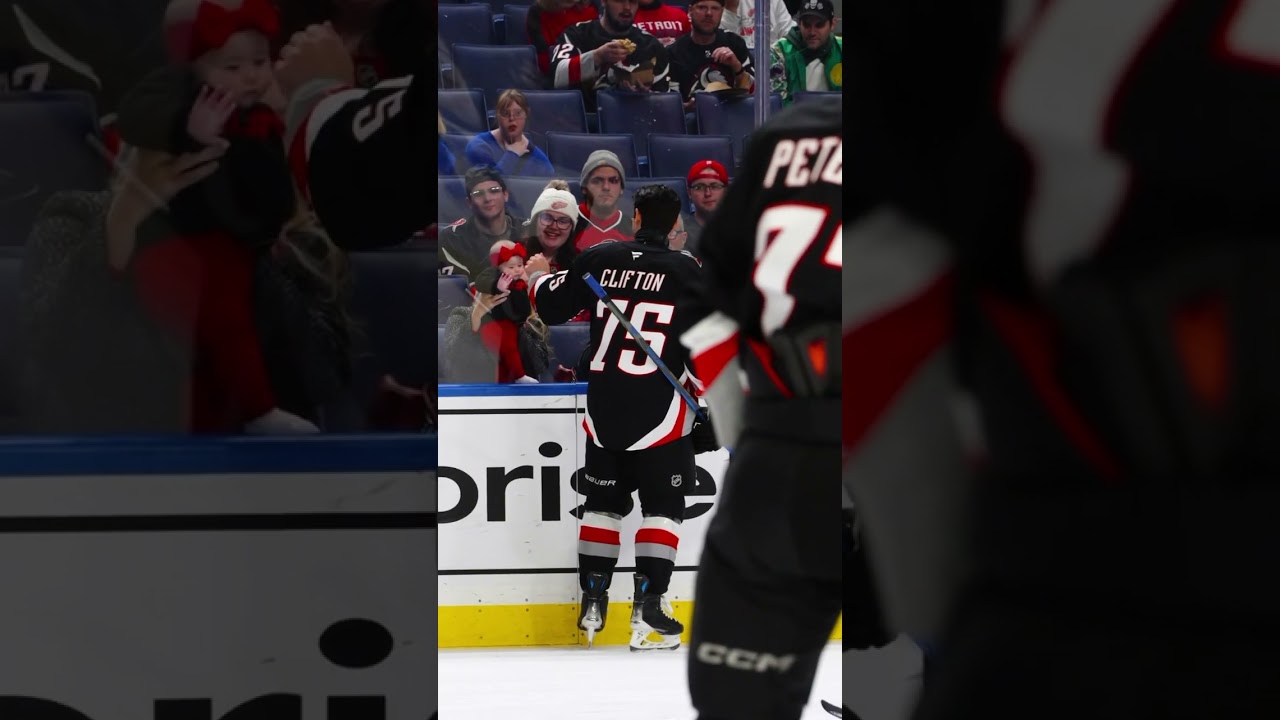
(451, 292)
(640, 114)
(391, 300)
(735, 117)
(457, 145)
(495, 6)
(819, 96)
(673, 155)
(469, 23)
(463, 111)
(569, 151)
(44, 148)
(10, 354)
(452, 199)
(494, 68)
(515, 24)
(567, 343)
(556, 111)
(523, 192)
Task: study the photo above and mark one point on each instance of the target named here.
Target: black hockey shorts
(662, 475)
(769, 582)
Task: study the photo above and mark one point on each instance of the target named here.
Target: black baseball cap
(819, 8)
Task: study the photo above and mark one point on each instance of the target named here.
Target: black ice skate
(595, 606)
(651, 613)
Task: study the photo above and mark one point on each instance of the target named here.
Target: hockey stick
(635, 335)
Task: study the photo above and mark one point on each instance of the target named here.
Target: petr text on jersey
(807, 161)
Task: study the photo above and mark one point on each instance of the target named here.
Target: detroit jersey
(360, 157)
(630, 403)
(772, 254)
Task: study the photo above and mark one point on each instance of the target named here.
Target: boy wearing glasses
(465, 243)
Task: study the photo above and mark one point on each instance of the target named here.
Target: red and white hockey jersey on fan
(665, 22)
(360, 156)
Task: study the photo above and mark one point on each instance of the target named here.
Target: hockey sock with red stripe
(656, 543)
(599, 542)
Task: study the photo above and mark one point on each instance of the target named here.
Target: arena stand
(507, 550)
(484, 49)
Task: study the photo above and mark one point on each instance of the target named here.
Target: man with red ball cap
(707, 182)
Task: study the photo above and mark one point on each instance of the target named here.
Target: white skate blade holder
(643, 640)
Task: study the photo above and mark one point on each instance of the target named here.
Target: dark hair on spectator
(659, 208)
(482, 173)
(398, 36)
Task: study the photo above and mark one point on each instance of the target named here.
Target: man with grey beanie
(599, 218)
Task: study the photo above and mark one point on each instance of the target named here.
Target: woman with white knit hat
(551, 225)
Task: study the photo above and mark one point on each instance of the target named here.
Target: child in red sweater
(193, 268)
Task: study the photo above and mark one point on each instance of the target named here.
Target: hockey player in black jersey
(638, 426)
(359, 155)
(1077, 242)
(770, 311)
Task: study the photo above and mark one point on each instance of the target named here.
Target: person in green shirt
(811, 56)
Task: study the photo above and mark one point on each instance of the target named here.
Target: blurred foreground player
(768, 347)
(638, 426)
(1075, 228)
(359, 155)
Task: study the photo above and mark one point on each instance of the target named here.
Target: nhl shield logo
(676, 480)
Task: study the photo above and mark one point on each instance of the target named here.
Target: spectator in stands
(599, 217)
(610, 53)
(102, 364)
(548, 19)
(195, 277)
(710, 58)
(552, 224)
(707, 182)
(663, 21)
(498, 337)
(811, 56)
(740, 19)
(507, 148)
(464, 245)
(384, 37)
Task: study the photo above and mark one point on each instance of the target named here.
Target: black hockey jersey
(573, 65)
(630, 403)
(361, 158)
(772, 253)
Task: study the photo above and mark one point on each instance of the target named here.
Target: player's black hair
(659, 208)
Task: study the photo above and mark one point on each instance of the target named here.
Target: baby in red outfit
(194, 264)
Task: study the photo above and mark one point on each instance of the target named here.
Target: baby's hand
(504, 282)
(209, 115)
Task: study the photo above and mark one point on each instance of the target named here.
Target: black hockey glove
(703, 435)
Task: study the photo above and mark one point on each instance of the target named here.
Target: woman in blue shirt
(508, 149)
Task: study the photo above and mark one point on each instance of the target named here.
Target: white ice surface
(612, 683)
